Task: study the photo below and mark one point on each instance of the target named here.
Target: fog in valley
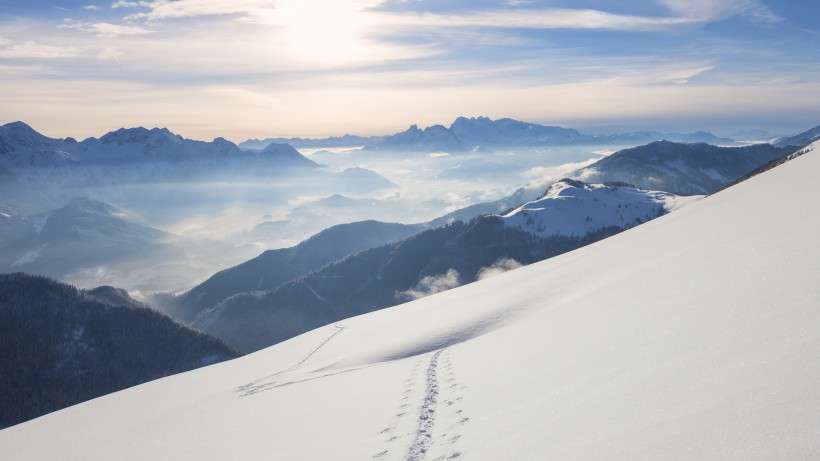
(187, 227)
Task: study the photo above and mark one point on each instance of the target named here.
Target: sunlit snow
(694, 336)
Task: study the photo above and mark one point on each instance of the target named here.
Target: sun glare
(321, 30)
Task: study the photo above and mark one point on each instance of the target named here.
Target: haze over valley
(205, 206)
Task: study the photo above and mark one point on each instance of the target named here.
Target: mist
(216, 220)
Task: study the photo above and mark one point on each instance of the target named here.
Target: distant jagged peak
(437, 128)
(222, 142)
(287, 153)
(415, 130)
(280, 149)
(19, 134)
(140, 135)
(462, 119)
(18, 126)
(501, 123)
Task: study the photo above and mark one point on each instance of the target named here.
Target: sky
(260, 68)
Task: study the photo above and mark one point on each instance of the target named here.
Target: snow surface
(694, 336)
(571, 208)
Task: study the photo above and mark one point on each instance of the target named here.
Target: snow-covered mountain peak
(575, 209)
(19, 127)
(17, 135)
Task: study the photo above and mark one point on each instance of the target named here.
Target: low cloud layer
(431, 285)
(498, 267)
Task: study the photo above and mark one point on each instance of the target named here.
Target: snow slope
(694, 336)
(572, 208)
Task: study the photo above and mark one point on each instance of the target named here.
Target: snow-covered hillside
(576, 209)
(694, 336)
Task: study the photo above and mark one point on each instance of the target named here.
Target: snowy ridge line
(773, 164)
(427, 413)
(253, 387)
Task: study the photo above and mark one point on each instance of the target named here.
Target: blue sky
(254, 68)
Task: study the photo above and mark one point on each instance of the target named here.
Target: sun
(322, 30)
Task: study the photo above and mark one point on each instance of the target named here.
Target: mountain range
(347, 140)
(76, 241)
(289, 298)
(427, 263)
(275, 267)
(39, 172)
(343, 272)
(568, 215)
(693, 336)
(477, 134)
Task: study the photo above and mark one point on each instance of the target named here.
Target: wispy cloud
(130, 4)
(497, 268)
(685, 12)
(375, 67)
(431, 285)
(34, 50)
(105, 29)
(163, 9)
(683, 76)
(712, 10)
(553, 18)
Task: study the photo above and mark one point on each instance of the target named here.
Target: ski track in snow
(339, 328)
(258, 385)
(427, 413)
(440, 398)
